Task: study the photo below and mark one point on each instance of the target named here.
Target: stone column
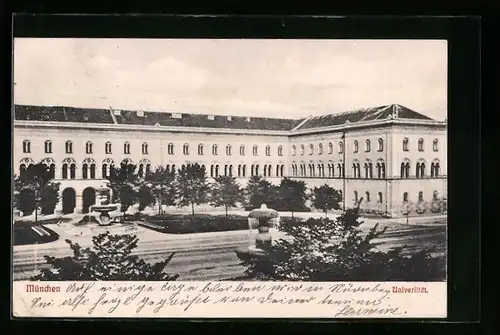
(78, 204)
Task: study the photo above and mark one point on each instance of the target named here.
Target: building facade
(392, 157)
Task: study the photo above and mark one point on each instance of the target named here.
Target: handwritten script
(214, 299)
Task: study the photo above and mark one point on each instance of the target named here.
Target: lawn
(199, 223)
(33, 233)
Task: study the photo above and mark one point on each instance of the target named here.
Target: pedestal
(263, 238)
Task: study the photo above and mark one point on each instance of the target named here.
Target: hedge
(199, 223)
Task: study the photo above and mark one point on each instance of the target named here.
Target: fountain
(102, 209)
(264, 217)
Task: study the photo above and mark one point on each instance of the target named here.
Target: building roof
(127, 117)
(366, 114)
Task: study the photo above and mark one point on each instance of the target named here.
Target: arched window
(280, 150)
(368, 169)
(255, 150)
(242, 150)
(268, 150)
(355, 196)
(311, 149)
(84, 171)
(69, 147)
(435, 195)
(294, 150)
(420, 170)
(380, 145)
(330, 148)
(320, 149)
(405, 197)
(228, 150)
(420, 144)
(214, 149)
(342, 170)
(170, 149)
(381, 169)
(356, 169)
(380, 198)
(26, 146)
(144, 148)
(405, 144)
(104, 171)
(420, 196)
(244, 171)
(92, 171)
(185, 149)
(22, 169)
(72, 171)
(368, 146)
(48, 147)
(355, 147)
(341, 147)
(435, 169)
(107, 147)
(126, 148)
(405, 169)
(435, 145)
(302, 149)
(282, 170)
(367, 196)
(64, 171)
(88, 147)
(200, 149)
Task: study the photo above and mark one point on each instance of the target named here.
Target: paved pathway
(200, 256)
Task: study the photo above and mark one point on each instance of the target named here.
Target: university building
(391, 156)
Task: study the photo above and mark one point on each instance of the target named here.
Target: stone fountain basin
(247, 253)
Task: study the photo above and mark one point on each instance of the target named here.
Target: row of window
(89, 146)
(229, 150)
(313, 170)
(170, 148)
(380, 147)
(380, 198)
(68, 169)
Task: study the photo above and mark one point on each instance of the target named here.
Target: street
(205, 256)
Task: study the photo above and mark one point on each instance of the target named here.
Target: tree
(110, 258)
(192, 185)
(226, 192)
(124, 182)
(36, 184)
(259, 191)
(339, 250)
(162, 187)
(292, 194)
(326, 198)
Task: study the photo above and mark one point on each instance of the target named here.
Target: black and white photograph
(249, 160)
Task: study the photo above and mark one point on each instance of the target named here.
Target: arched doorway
(68, 200)
(88, 199)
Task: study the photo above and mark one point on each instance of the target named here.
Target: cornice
(289, 133)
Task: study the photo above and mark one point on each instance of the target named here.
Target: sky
(243, 77)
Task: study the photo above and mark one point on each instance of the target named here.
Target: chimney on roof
(395, 111)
